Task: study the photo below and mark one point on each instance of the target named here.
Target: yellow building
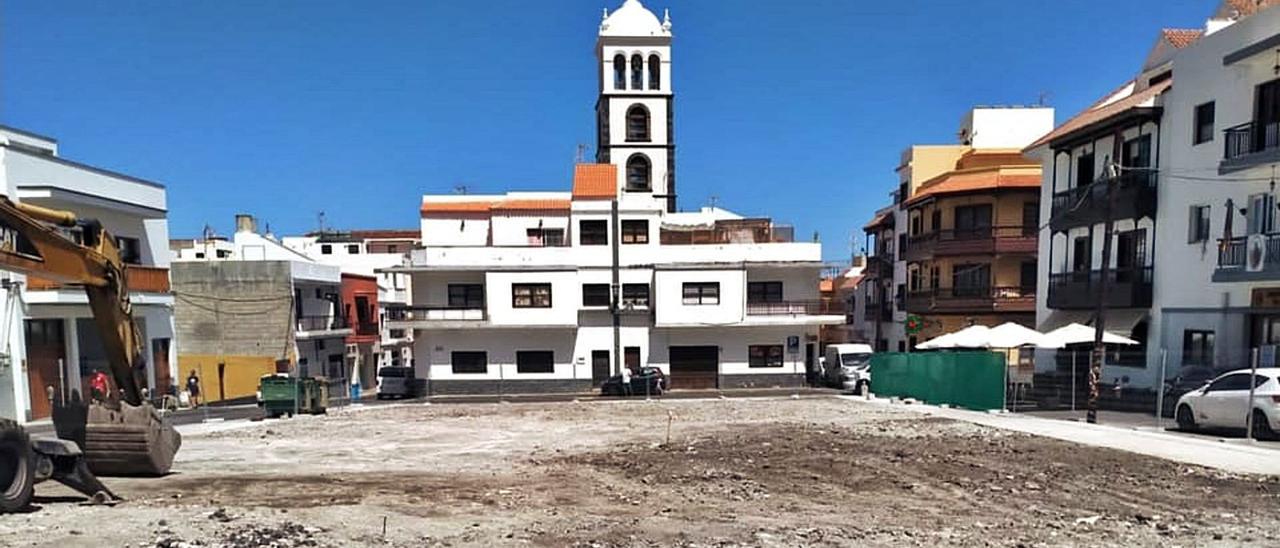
(970, 243)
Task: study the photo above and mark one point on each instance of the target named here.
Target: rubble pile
(280, 535)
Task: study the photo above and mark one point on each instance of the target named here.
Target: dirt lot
(778, 472)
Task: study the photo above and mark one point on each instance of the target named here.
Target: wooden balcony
(1135, 197)
(972, 300)
(141, 279)
(1126, 288)
(987, 240)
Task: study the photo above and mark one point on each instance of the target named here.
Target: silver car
(395, 382)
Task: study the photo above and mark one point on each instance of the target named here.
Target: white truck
(848, 366)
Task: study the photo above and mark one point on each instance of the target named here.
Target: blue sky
(796, 110)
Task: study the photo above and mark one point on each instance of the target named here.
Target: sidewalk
(1238, 456)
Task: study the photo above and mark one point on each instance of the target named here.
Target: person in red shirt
(99, 386)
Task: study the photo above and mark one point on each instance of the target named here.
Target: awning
(1119, 321)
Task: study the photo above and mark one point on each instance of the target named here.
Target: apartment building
(556, 291)
(360, 254)
(260, 309)
(953, 248)
(1188, 150)
(49, 342)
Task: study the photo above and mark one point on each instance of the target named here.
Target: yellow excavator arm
(29, 245)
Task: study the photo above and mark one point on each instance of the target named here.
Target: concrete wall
(565, 298)
(237, 308)
(669, 297)
(1007, 127)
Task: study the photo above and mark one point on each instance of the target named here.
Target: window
(545, 237)
(1197, 347)
(1238, 381)
(1030, 218)
(655, 72)
(973, 221)
(639, 173)
(466, 295)
(130, 251)
(702, 293)
(637, 72)
(535, 361)
(1084, 169)
(1080, 256)
(764, 292)
(1137, 152)
(638, 123)
(1027, 276)
(593, 232)
(971, 279)
(1198, 224)
(391, 248)
(531, 295)
(199, 255)
(935, 220)
(222, 253)
(1261, 218)
(635, 231)
(764, 355)
(619, 72)
(636, 295)
(467, 363)
(326, 249)
(595, 295)
(364, 312)
(1203, 124)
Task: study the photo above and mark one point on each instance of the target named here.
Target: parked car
(1224, 403)
(396, 382)
(848, 366)
(650, 381)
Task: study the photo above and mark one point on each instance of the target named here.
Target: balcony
(1248, 145)
(988, 240)
(141, 279)
(321, 326)
(1126, 288)
(410, 316)
(879, 266)
(367, 329)
(737, 231)
(976, 300)
(1248, 258)
(795, 308)
(1135, 197)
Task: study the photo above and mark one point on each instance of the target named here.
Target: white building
(1192, 272)
(47, 331)
(518, 292)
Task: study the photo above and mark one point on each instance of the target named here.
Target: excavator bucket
(120, 439)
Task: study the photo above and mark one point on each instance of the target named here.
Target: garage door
(694, 367)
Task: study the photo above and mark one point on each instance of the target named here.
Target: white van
(848, 366)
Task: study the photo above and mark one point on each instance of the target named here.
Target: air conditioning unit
(1255, 253)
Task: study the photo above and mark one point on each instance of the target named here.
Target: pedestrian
(193, 388)
(99, 386)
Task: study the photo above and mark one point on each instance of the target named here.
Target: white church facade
(557, 291)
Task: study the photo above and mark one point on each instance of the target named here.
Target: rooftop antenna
(460, 189)
(1043, 100)
(713, 199)
(320, 220)
(209, 233)
(581, 156)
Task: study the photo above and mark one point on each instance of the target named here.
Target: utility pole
(1100, 311)
(616, 287)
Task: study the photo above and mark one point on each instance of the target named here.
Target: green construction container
(282, 395)
(973, 380)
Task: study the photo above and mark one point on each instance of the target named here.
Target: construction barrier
(973, 380)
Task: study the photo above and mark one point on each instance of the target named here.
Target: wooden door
(600, 367)
(631, 355)
(46, 349)
(160, 362)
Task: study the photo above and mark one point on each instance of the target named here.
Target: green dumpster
(284, 395)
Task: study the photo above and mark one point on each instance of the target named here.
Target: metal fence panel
(973, 380)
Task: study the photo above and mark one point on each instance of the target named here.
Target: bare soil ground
(778, 472)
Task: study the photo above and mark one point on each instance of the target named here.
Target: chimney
(246, 223)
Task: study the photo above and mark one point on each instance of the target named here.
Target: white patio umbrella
(974, 336)
(1076, 334)
(1012, 335)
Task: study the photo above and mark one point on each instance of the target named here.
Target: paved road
(1147, 422)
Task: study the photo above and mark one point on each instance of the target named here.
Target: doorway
(46, 351)
(631, 358)
(160, 362)
(599, 367)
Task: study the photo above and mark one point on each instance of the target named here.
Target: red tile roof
(957, 182)
(473, 207)
(527, 205)
(595, 181)
(826, 285)
(1181, 38)
(1099, 112)
(881, 219)
(1246, 7)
